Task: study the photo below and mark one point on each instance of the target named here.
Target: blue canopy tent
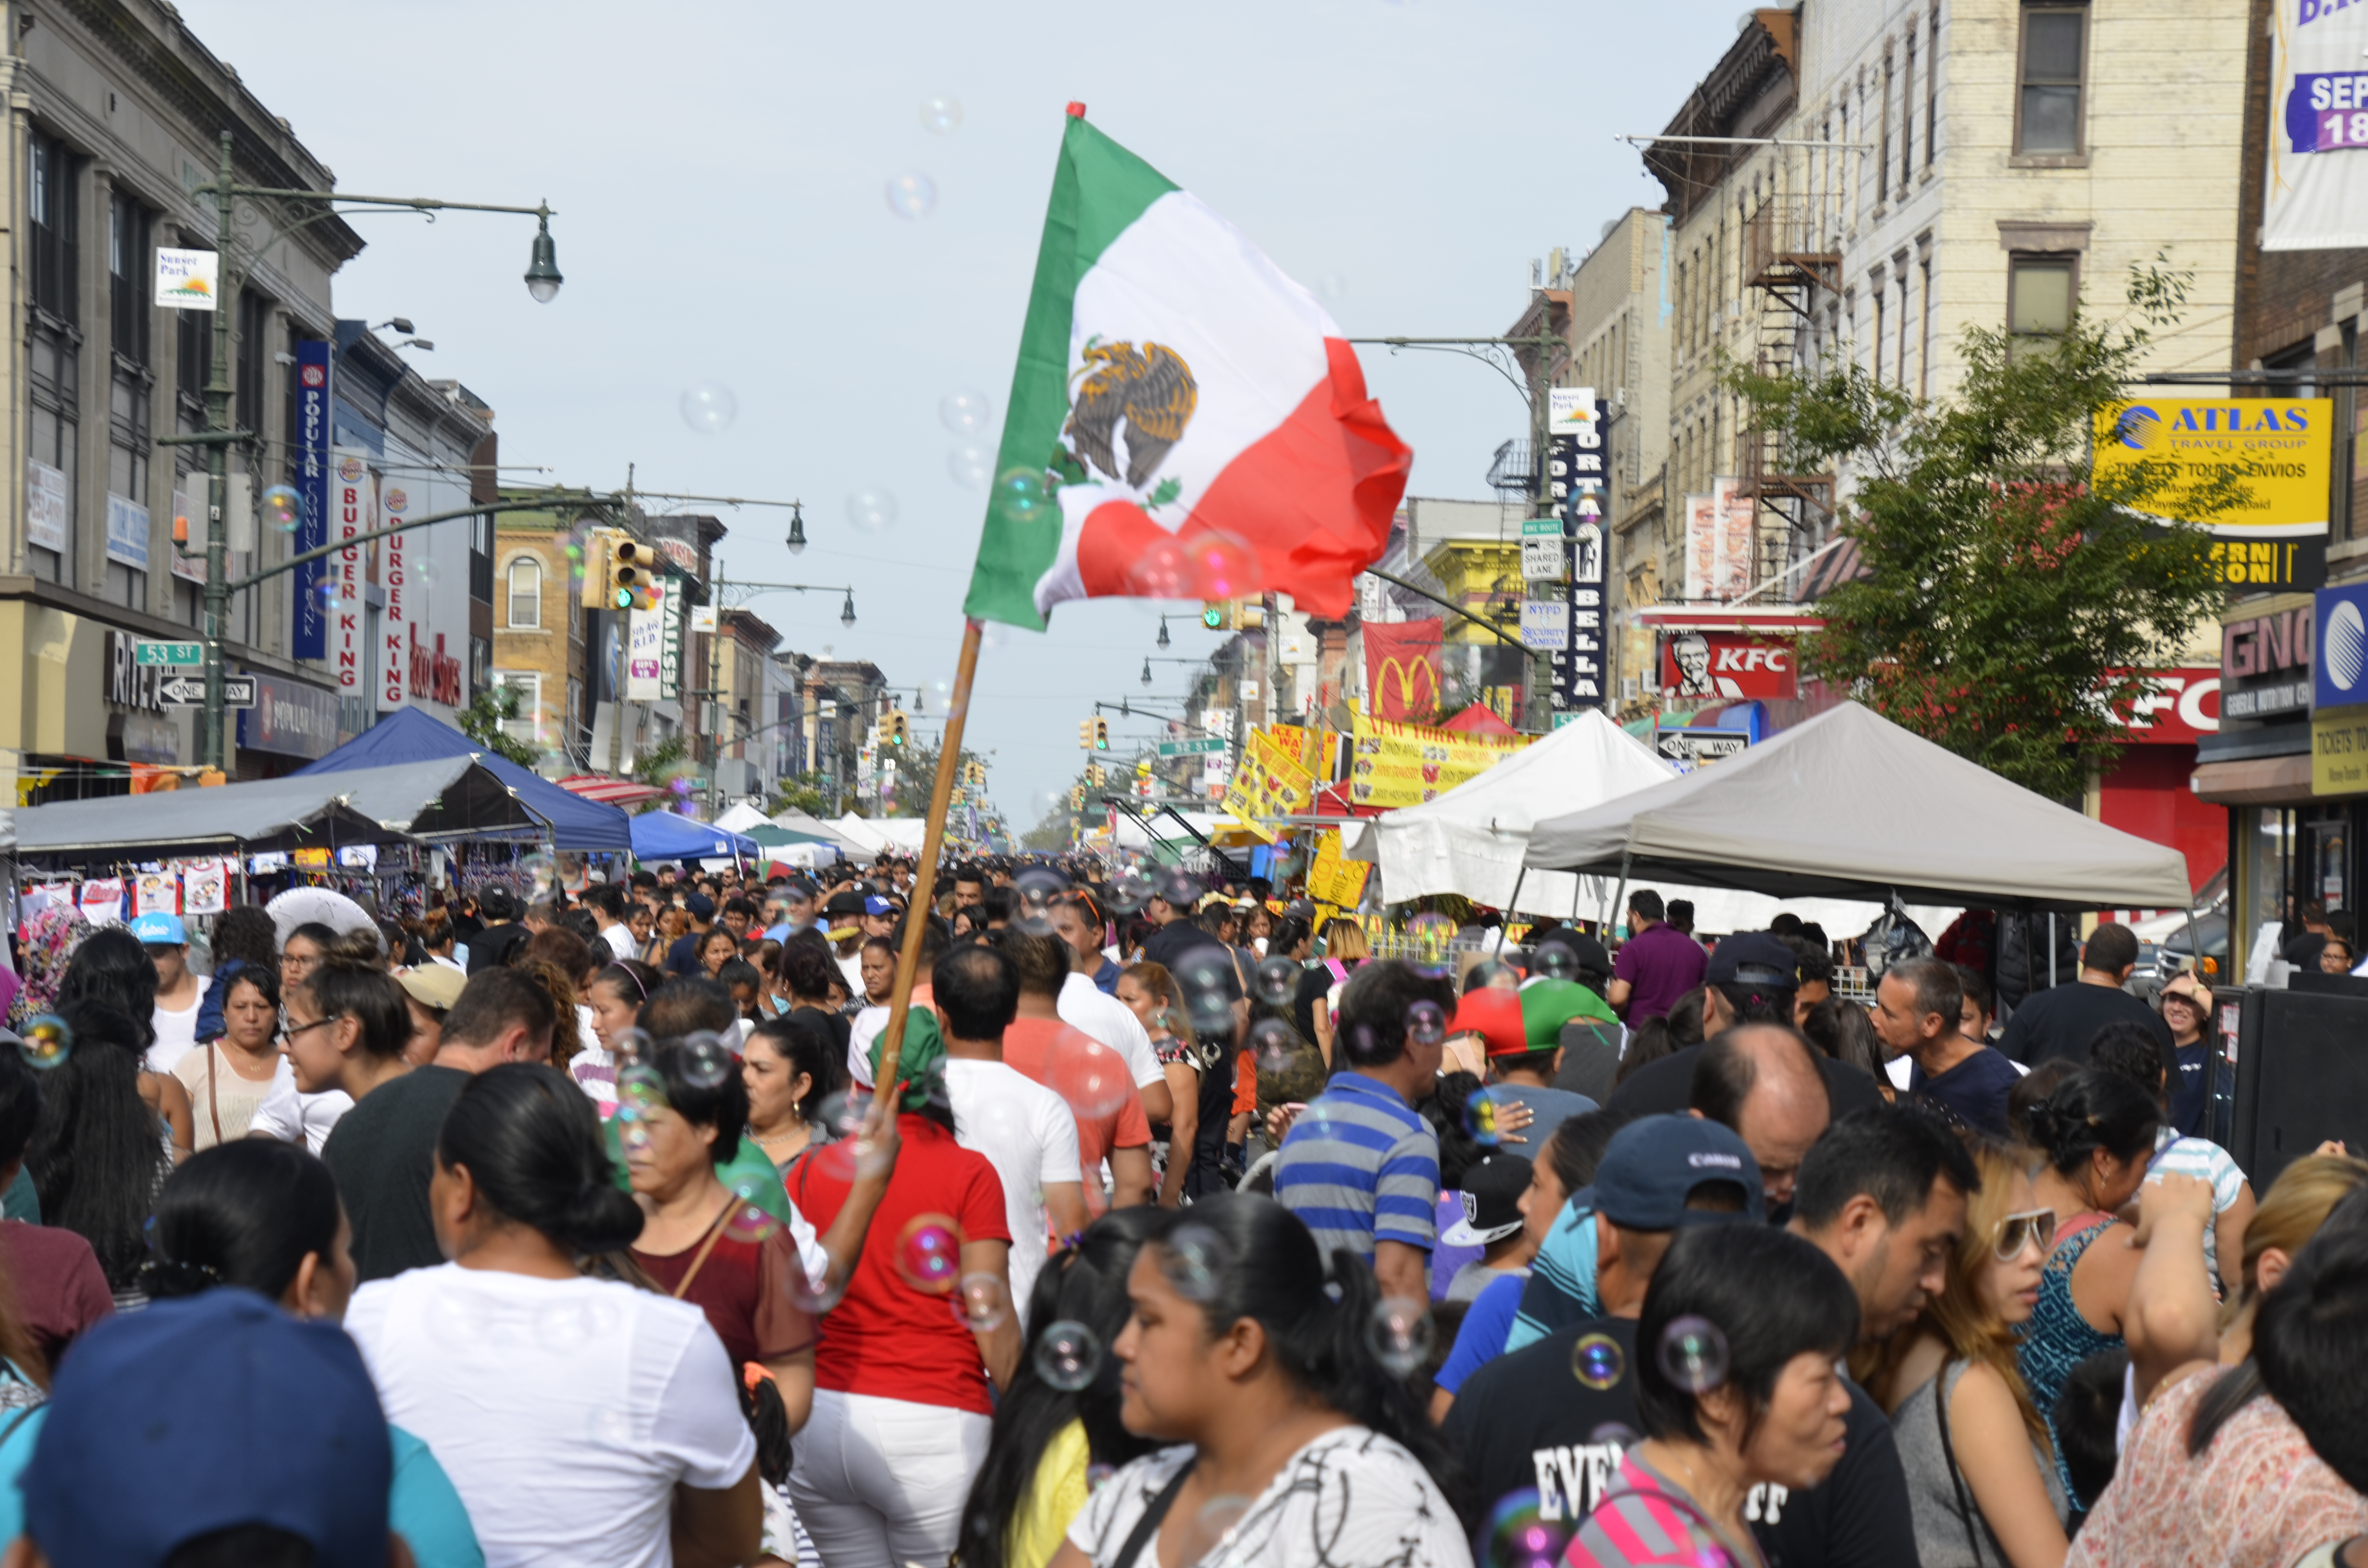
(662, 835)
(409, 735)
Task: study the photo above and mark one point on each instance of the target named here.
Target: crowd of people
(1183, 1230)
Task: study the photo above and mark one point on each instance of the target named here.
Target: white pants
(880, 1483)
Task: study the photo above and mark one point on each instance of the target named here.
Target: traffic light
(1101, 734)
(1077, 797)
(629, 573)
(596, 567)
(1094, 773)
(1217, 615)
(899, 727)
(1085, 733)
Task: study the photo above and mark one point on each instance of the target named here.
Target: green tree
(481, 722)
(808, 792)
(2014, 593)
(917, 774)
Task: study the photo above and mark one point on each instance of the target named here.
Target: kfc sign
(1711, 666)
(2181, 706)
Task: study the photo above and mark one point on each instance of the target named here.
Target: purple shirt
(1660, 964)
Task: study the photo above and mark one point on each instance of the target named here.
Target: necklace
(775, 1138)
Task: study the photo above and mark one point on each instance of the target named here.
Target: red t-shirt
(1056, 1056)
(743, 1286)
(59, 1286)
(885, 1338)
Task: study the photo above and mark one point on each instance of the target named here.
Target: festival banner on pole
(2315, 193)
(309, 449)
(1333, 881)
(394, 615)
(1402, 667)
(1268, 784)
(349, 499)
(1405, 764)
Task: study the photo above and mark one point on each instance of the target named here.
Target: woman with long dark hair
(100, 1151)
(111, 968)
(582, 1419)
(1047, 1437)
(1276, 1405)
(228, 1079)
(789, 1068)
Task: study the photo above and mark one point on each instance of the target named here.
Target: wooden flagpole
(925, 876)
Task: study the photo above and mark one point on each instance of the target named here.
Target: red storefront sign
(1711, 665)
(2183, 705)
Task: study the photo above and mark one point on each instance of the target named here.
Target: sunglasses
(2017, 1231)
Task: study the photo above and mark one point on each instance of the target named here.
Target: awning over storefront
(2254, 781)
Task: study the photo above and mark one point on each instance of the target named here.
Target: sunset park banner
(1405, 764)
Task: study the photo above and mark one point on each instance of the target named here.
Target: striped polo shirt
(1357, 1167)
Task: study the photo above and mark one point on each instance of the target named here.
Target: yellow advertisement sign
(2338, 754)
(1267, 783)
(2282, 448)
(1332, 882)
(1405, 764)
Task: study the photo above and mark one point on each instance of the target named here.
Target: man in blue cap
(214, 1430)
(179, 993)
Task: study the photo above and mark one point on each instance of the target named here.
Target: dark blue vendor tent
(662, 835)
(409, 735)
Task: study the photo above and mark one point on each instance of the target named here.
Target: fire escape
(1790, 253)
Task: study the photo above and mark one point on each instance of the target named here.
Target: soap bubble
(1399, 1333)
(1615, 1435)
(1193, 1261)
(709, 409)
(633, 1136)
(1274, 1045)
(1067, 1356)
(1092, 1077)
(972, 466)
(1332, 286)
(1181, 889)
(981, 1304)
(1278, 981)
(1598, 1361)
(639, 1088)
(942, 114)
(1427, 939)
(1483, 1116)
(706, 1061)
(628, 1046)
(1129, 891)
(1521, 1536)
(47, 1041)
(283, 509)
(1693, 1354)
(1554, 961)
(610, 1427)
(912, 194)
(748, 1220)
(1363, 1044)
(965, 413)
(1098, 1476)
(1021, 495)
(1427, 1023)
(539, 875)
(928, 1254)
(1164, 571)
(1037, 887)
(1222, 566)
(1211, 1529)
(810, 1297)
(873, 511)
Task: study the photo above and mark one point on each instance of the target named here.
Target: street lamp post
(543, 281)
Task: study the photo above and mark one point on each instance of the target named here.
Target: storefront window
(2264, 849)
(2327, 867)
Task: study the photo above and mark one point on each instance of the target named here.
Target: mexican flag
(1185, 421)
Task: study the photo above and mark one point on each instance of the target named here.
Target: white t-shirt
(620, 939)
(563, 1410)
(1029, 1135)
(1350, 1495)
(286, 1110)
(859, 1036)
(1084, 1007)
(177, 1033)
(851, 966)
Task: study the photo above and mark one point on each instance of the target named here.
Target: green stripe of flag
(1099, 189)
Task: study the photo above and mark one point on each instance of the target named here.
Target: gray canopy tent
(1850, 805)
(453, 796)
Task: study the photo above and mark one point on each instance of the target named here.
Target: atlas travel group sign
(2280, 449)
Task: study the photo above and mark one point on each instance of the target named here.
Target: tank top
(2056, 1338)
(1938, 1499)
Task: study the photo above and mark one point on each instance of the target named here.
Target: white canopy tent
(1471, 840)
(900, 835)
(1850, 805)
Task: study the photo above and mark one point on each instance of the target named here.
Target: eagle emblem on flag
(1150, 388)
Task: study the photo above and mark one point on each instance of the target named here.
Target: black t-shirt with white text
(1526, 1422)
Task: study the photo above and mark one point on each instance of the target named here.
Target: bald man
(1763, 1080)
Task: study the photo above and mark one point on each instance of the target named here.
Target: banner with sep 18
(2316, 176)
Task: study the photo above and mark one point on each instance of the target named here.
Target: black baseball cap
(1492, 1201)
(1754, 957)
(1655, 1162)
(1591, 954)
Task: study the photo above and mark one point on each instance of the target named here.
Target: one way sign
(189, 691)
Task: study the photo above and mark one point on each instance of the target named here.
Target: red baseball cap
(1496, 1017)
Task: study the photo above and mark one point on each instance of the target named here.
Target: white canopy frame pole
(1620, 900)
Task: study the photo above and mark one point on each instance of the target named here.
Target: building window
(2041, 293)
(1883, 154)
(480, 557)
(127, 275)
(247, 360)
(1900, 359)
(194, 366)
(1924, 344)
(526, 594)
(2048, 117)
(54, 413)
(524, 689)
(1874, 294)
(57, 233)
(1907, 114)
(480, 666)
(1932, 90)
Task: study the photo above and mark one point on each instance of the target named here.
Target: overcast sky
(721, 171)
